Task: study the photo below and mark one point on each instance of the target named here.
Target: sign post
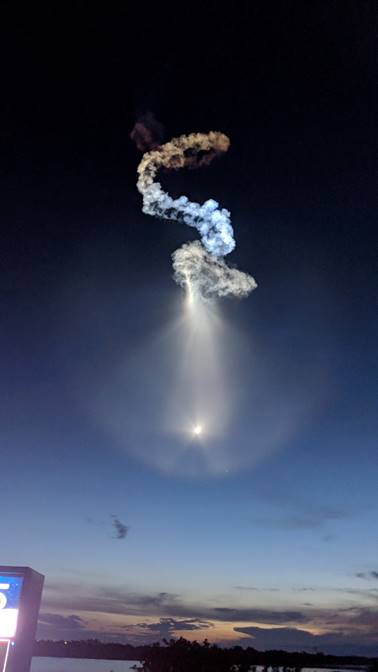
(20, 598)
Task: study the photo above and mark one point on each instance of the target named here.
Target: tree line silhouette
(181, 655)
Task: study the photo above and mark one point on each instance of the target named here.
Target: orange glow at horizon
(217, 632)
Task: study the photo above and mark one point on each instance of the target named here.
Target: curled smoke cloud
(201, 267)
(210, 275)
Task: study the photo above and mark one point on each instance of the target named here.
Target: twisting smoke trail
(194, 265)
(212, 222)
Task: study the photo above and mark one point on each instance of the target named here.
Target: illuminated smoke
(196, 267)
(197, 270)
(212, 222)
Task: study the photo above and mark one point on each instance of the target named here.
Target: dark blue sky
(283, 533)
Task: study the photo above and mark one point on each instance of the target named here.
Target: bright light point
(197, 430)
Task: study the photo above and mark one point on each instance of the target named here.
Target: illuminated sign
(10, 594)
(20, 597)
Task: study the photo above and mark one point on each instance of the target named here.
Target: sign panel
(20, 597)
(10, 594)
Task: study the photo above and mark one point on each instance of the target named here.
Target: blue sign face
(10, 593)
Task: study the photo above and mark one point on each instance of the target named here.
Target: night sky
(278, 547)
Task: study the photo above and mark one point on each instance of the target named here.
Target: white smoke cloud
(209, 275)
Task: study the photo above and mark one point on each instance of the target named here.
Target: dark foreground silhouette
(182, 655)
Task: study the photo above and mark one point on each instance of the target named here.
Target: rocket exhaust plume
(200, 265)
(196, 397)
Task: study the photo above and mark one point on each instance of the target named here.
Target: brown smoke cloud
(147, 133)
